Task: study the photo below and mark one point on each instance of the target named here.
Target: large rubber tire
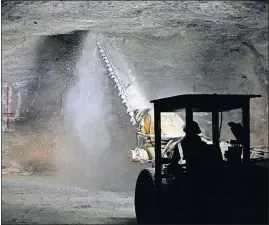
(145, 202)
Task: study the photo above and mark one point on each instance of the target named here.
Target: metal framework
(200, 103)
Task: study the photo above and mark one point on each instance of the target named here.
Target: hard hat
(194, 128)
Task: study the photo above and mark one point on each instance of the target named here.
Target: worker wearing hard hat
(193, 146)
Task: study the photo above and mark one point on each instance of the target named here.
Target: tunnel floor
(28, 200)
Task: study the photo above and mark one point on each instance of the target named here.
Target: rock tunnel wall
(212, 63)
(74, 122)
(218, 57)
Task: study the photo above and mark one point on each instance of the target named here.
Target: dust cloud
(96, 132)
(85, 137)
(85, 107)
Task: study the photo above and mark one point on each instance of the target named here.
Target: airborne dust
(96, 131)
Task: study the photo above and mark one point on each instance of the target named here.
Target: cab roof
(203, 102)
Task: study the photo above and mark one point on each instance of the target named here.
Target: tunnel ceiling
(173, 46)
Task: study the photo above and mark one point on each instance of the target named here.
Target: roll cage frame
(212, 103)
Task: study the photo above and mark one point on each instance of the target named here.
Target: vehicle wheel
(145, 203)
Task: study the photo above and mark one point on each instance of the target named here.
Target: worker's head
(193, 128)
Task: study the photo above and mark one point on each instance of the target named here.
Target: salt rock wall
(219, 47)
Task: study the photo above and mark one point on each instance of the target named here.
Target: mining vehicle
(217, 188)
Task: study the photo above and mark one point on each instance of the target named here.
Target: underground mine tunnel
(77, 80)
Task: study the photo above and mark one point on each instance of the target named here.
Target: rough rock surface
(172, 46)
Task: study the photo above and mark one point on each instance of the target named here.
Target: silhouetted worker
(195, 152)
(238, 131)
(194, 149)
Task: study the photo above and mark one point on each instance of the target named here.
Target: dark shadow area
(208, 186)
(56, 57)
(233, 198)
